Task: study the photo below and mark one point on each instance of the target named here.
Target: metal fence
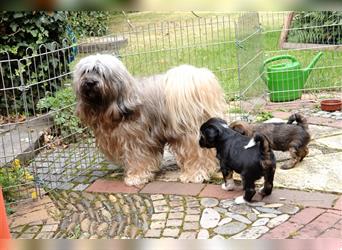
(53, 149)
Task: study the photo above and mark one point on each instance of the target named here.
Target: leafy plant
(61, 105)
(30, 63)
(236, 110)
(89, 23)
(264, 116)
(13, 176)
(319, 27)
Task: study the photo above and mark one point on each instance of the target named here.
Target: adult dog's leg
(197, 163)
(140, 167)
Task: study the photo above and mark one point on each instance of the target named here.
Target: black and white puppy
(250, 162)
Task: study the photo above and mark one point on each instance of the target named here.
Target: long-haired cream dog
(133, 119)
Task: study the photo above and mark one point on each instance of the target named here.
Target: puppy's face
(210, 132)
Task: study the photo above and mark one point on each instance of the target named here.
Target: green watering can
(285, 81)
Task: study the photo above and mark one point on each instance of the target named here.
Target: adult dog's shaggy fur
(133, 119)
(251, 163)
(283, 137)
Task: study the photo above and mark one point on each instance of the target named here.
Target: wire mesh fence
(37, 123)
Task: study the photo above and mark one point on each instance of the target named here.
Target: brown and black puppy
(282, 136)
(251, 163)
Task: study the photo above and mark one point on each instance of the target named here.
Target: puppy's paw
(240, 200)
(265, 191)
(229, 185)
(261, 191)
(286, 166)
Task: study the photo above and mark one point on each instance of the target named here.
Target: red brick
(216, 191)
(306, 199)
(306, 215)
(335, 211)
(338, 225)
(283, 231)
(281, 115)
(177, 188)
(338, 203)
(331, 233)
(111, 186)
(318, 226)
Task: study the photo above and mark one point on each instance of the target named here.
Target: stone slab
(31, 212)
(319, 173)
(317, 131)
(306, 199)
(332, 142)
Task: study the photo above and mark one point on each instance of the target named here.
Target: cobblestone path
(83, 215)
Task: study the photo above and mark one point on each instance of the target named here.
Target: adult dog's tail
(300, 119)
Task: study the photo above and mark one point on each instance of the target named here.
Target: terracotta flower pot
(331, 105)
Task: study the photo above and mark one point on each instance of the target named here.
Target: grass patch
(158, 41)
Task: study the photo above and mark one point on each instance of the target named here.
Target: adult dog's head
(211, 131)
(103, 84)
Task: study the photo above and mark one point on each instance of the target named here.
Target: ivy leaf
(18, 15)
(34, 33)
(14, 26)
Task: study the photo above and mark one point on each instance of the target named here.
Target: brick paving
(172, 187)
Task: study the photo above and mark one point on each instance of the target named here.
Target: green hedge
(31, 33)
(89, 23)
(305, 30)
(28, 33)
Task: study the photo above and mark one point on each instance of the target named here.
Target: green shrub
(319, 27)
(11, 177)
(61, 105)
(25, 34)
(263, 116)
(89, 23)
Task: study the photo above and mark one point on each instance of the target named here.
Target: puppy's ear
(216, 129)
(239, 129)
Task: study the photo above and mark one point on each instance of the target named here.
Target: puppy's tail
(265, 148)
(300, 119)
